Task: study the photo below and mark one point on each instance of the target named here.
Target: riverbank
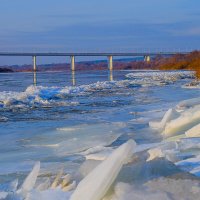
(182, 62)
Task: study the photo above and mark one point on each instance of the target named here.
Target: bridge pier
(110, 63)
(147, 58)
(72, 63)
(34, 64)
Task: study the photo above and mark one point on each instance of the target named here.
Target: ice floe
(80, 139)
(169, 115)
(180, 120)
(192, 85)
(194, 131)
(188, 103)
(35, 96)
(183, 131)
(92, 138)
(160, 77)
(93, 187)
(162, 188)
(185, 121)
(40, 96)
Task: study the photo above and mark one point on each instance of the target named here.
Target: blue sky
(104, 25)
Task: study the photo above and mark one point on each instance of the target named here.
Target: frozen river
(75, 128)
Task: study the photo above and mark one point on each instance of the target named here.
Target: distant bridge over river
(147, 56)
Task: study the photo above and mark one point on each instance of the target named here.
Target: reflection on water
(73, 78)
(110, 75)
(35, 78)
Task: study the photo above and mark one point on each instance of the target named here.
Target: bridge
(147, 56)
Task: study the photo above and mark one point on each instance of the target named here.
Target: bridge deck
(91, 54)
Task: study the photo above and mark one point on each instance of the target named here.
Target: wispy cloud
(74, 16)
(195, 31)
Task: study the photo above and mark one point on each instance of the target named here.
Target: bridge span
(147, 56)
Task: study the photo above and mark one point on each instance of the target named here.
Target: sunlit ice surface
(67, 125)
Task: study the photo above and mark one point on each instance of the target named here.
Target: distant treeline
(189, 62)
(5, 70)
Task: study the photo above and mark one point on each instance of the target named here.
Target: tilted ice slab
(100, 153)
(95, 150)
(181, 119)
(188, 145)
(196, 171)
(96, 184)
(169, 115)
(30, 181)
(191, 162)
(191, 165)
(193, 132)
(59, 188)
(165, 150)
(185, 121)
(184, 153)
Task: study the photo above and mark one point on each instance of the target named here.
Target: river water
(60, 116)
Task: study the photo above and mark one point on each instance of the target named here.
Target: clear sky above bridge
(104, 25)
